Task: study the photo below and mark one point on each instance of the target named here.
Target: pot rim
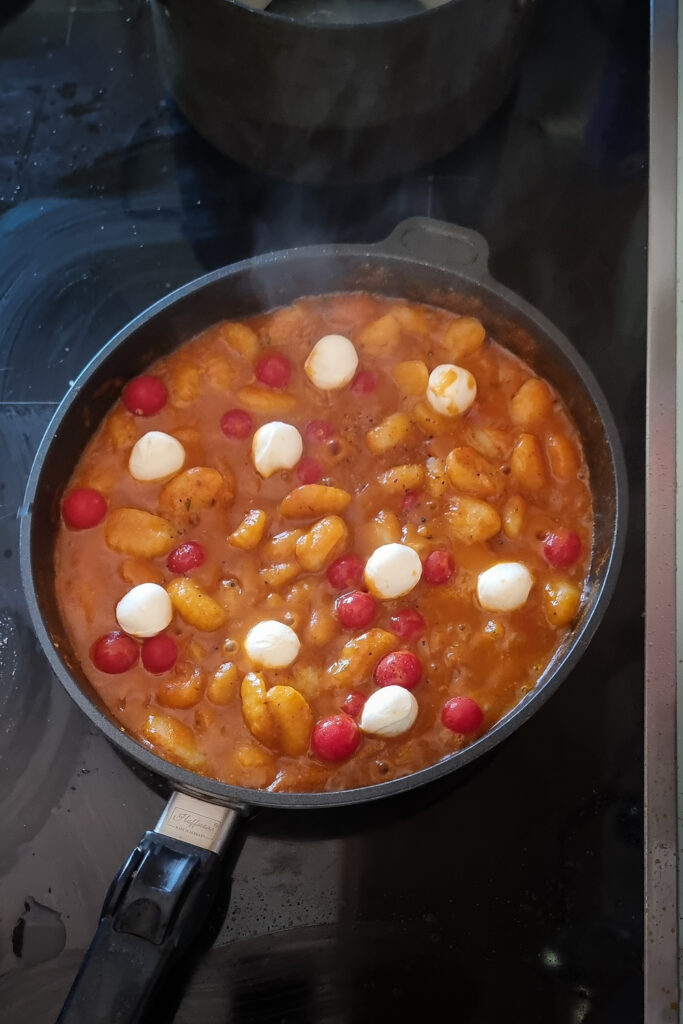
(398, 246)
(338, 26)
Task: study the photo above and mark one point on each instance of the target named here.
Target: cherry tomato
(364, 383)
(335, 738)
(407, 623)
(562, 548)
(274, 370)
(186, 557)
(346, 571)
(355, 610)
(84, 508)
(410, 500)
(159, 653)
(114, 653)
(462, 714)
(438, 567)
(400, 668)
(237, 424)
(144, 396)
(309, 471)
(353, 704)
(319, 431)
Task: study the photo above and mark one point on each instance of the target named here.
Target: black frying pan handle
(439, 243)
(155, 908)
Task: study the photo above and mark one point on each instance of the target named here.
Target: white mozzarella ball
(145, 610)
(276, 446)
(331, 363)
(271, 644)
(389, 711)
(392, 570)
(504, 587)
(155, 455)
(451, 389)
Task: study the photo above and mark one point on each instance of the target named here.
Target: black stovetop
(514, 893)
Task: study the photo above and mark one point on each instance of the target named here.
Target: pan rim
(241, 797)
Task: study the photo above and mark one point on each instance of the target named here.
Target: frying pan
(162, 895)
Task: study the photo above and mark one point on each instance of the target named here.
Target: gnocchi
(278, 717)
(323, 541)
(381, 337)
(133, 531)
(194, 605)
(250, 531)
(183, 687)
(464, 337)
(400, 479)
(266, 401)
(359, 656)
(527, 464)
(562, 456)
(472, 520)
(430, 422)
(393, 431)
(411, 377)
(223, 684)
(240, 338)
(531, 404)
(313, 500)
(172, 739)
(470, 472)
(192, 491)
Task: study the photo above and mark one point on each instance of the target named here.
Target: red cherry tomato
(410, 500)
(237, 424)
(400, 668)
(438, 567)
(159, 653)
(562, 548)
(462, 714)
(144, 396)
(353, 704)
(407, 623)
(335, 738)
(364, 383)
(274, 370)
(319, 431)
(186, 557)
(84, 508)
(346, 571)
(309, 471)
(114, 653)
(355, 610)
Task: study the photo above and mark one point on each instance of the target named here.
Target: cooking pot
(162, 895)
(339, 102)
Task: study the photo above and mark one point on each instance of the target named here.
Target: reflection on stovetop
(511, 893)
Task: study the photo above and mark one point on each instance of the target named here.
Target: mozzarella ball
(145, 610)
(271, 644)
(504, 587)
(392, 570)
(276, 446)
(389, 711)
(451, 389)
(331, 363)
(155, 455)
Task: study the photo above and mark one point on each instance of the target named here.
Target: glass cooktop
(513, 892)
